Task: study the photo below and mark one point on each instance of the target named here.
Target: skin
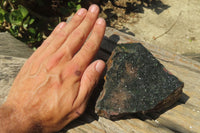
(55, 83)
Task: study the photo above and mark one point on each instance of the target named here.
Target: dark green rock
(136, 81)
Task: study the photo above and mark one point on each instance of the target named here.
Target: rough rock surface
(136, 82)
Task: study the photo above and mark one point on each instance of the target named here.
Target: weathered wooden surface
(13, 54)
(184, 116)
(12, 47)
(9, 67)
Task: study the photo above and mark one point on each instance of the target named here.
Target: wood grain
(184, 116)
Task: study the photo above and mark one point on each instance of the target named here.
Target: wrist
(13, 120)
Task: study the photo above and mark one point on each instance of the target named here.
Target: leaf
(32, 31)
(2, 13)
(26, 22)
(31, 21)
(16, 17)
(14, 30)
(39, 37)
(23, 11)
(69, 4)
(78, 7)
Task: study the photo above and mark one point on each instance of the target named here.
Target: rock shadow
(107, 46)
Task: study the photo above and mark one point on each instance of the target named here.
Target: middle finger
(79, 35)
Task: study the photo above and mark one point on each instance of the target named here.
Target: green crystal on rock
(136, 81)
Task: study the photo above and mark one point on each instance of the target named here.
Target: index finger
(91, 46)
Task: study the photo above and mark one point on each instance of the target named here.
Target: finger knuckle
(76, 19)
(79, 34)
(61, 33)
(90, 18)
(57, 29)
(90, 46)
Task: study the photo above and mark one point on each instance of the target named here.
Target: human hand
(55, 83)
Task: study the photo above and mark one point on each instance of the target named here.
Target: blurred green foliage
(29, 26)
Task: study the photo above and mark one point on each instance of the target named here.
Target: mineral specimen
(136, 81)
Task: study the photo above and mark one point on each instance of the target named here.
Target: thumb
(88, 81)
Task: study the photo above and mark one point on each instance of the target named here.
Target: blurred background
(169, 24)
(33, 20)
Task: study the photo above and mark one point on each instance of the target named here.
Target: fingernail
(100, 66)
(81, 12)
(100, 21)
(62, 24)
(93, 8)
